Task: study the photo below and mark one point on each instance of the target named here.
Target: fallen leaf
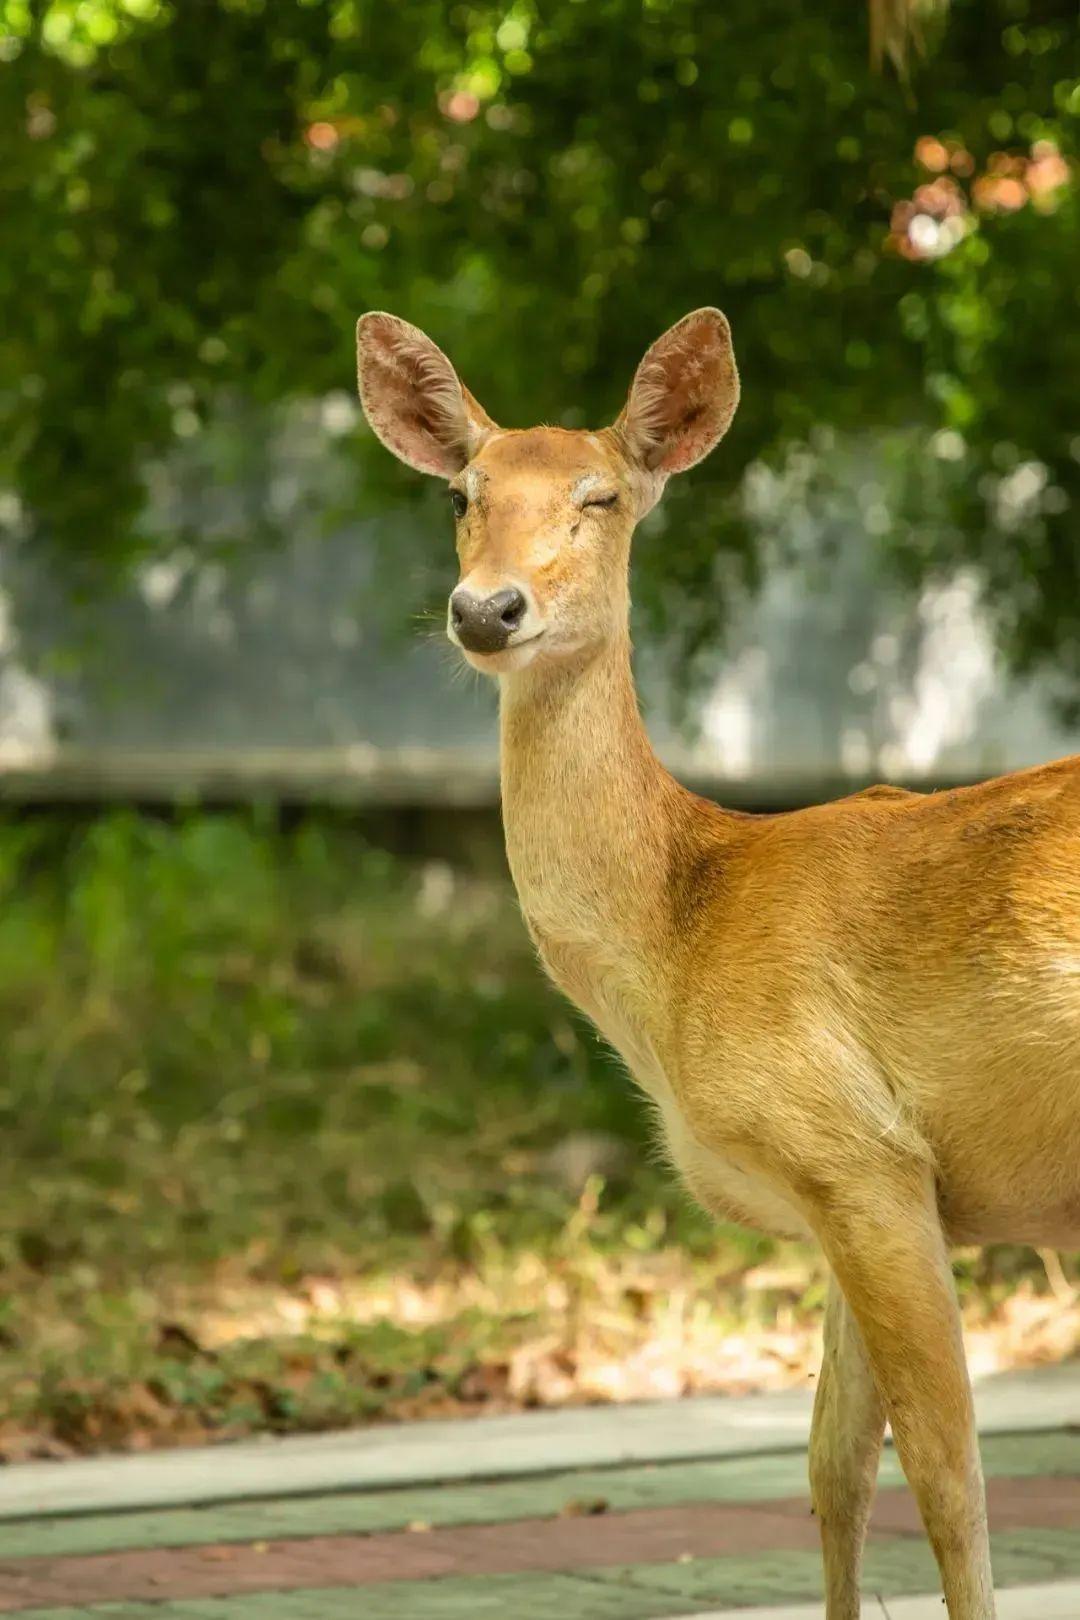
(584, 1507)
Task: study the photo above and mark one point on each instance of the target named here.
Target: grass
(297, 1136)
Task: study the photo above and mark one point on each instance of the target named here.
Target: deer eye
(460, 502)
(604, 500)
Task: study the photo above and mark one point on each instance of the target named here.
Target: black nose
(485, 624)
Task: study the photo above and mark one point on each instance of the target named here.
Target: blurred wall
(295, 663)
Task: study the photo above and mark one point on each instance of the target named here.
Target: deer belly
(724, 1188)
(720, 1186)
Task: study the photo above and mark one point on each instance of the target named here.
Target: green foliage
(210, 993)
(240, 1057)
(265, 1090)
(200, 197)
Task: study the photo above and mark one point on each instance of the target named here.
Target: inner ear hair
(413, 398)
(683, 395)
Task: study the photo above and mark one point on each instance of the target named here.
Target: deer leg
(884, 1242)
(845, 1444)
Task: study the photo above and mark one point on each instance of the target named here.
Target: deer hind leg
(883, 1239)
(845, 1444)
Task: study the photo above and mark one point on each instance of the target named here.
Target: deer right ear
(414, 399)
(683, 395)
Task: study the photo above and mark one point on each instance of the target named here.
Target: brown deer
(859, 1021)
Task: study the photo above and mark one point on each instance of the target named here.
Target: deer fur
(859, 1021)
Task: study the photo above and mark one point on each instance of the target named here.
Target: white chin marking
(505, 662)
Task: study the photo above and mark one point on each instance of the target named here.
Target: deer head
(544, 515)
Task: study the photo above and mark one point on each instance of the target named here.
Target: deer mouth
(505, 660)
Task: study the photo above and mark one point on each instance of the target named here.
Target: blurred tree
(896, 27)
(199, 198)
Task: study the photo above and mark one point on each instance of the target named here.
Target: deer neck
(587, 810)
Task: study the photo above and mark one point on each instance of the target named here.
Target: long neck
(587, 806)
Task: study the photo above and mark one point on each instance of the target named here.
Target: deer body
(859, 1021)
(901, 967)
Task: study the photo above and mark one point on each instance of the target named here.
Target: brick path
(641, 1542)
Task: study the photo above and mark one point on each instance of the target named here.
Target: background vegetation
(199, 198)
(296, 1136)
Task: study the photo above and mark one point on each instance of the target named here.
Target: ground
(681, 1532)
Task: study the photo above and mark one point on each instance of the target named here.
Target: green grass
(297, 1135)
(239, 1059)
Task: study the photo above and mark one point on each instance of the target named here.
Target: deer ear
(683, 395)
(414, 399)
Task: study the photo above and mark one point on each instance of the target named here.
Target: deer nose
(484, 624)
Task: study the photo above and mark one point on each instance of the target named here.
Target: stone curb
(484, 1449)
(1057, 1602)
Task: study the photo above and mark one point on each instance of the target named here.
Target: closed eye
(603, 500)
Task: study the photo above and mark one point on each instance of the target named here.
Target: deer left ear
(414, 399)
(683, 395)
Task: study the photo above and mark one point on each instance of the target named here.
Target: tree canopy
(200, 197)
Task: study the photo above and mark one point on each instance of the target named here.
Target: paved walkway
(645, 1513)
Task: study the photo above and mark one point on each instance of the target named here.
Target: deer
(857, 1022)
